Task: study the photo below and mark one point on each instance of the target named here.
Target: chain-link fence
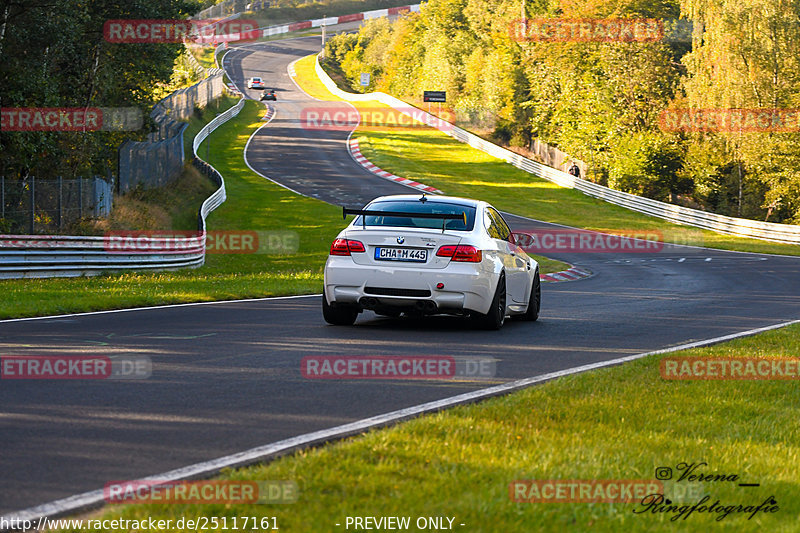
(199, 70)
(180, 104)
(159, 160)
(229, 7)
(50, 205)
(150, 164)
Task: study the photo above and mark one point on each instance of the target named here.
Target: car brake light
(356, 246)
(339, 247)
(446, 251)
(346, 246)
(462, 252)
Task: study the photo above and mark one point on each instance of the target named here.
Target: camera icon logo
(663, 473)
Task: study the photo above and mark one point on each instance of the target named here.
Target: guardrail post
(110, 189)
(32, 200)
(60, 203)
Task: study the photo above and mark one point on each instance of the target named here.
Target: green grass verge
(204, 55)
(173, 206)
(429, 156)
(617, 423)
(547, 265)
(203, 116)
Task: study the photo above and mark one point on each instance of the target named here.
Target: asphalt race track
(226, 376)
(290, 150)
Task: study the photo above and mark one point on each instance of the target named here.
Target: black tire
(535, 300)
(338, 316)
(496, 316)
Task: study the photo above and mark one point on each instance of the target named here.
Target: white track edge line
(247, 144)
(350, 135)
(246, 162)
(298, 86)
(165, 306)
(92, 499)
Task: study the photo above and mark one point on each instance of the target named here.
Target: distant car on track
(429, 255)
(269, 95)
(255, 83)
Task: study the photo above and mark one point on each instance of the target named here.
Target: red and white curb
(270, 114)
(570, 274)
(355, 152)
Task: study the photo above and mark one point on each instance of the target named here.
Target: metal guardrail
(219, 196)
(36, 256)
(769, 231)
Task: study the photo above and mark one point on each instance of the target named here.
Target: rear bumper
(467, 286)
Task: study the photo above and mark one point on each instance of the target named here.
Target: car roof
(433, 198)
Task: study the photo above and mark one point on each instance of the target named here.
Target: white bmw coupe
(255, 83)
(429, 255)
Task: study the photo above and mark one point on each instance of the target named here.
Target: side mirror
(523, 240)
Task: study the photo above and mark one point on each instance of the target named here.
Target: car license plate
(401, 254)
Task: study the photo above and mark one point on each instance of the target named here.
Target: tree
(64, 61)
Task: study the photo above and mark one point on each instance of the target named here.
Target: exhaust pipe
(368, 302)
(425, 306)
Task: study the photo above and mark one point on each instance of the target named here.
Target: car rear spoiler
(440, 216)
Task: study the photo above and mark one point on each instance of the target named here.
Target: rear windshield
(416, 206)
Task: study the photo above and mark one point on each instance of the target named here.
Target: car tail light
(356, 246)
(462, 252)
(346, 246)
(468, 254)
(448, 250)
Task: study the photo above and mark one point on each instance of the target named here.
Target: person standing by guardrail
(574, 170)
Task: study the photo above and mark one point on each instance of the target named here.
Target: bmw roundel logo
(400, 240)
